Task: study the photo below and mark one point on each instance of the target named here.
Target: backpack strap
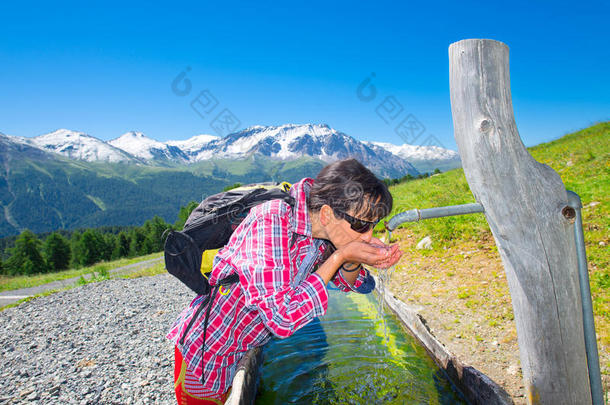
(293, 240)
(186, 236)
(228, 280)
(307, 263)
(208, 300)
(205, 328)
(231, 279)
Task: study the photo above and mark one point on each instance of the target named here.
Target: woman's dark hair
(348, 186)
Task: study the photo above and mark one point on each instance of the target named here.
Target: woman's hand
(375, 253)
(394, 256)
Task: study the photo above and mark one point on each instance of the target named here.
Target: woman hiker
(285, 256)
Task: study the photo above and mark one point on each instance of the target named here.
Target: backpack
(210, 226)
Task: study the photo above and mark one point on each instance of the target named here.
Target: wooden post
(526, 205)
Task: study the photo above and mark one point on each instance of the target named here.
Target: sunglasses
(358, 225)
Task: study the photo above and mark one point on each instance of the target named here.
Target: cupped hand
(392, 259)
(375, 254)
(394, 253)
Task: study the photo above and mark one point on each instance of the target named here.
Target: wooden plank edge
(246, 379)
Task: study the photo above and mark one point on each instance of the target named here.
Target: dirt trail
(11, 296)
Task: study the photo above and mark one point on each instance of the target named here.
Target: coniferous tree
(184, 213)
(92, 247)
(109, 241)
(136, 244)
(231, 187)
(154, 229)
(25, 256)
(147, 246)
(121, 248)
(57, 252)
(77, 251)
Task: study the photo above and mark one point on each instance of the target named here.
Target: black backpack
(210, 226)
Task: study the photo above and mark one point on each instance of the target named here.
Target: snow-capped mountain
(290, 141)
(138, 144)
(14, 147)
(192, 146)
(283, 143)
(424, 158)
(78, 145)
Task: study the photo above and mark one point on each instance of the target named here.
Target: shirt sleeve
(364, 284)
(266, 272)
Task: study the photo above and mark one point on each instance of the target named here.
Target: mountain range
(286, 142)
(69, 179)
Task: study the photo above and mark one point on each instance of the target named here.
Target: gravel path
(99, 343)
(10, 296)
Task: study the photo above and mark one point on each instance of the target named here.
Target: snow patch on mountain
(287, 141)
(418, 152)
(194, 144)
(138, 144)
(424, 158)
(272, 141)
(78, 145)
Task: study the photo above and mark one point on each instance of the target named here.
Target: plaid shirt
(269, 299)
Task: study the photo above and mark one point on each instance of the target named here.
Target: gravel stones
(99, 343)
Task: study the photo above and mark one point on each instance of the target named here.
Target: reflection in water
(342, 359)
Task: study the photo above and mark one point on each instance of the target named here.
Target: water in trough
(342, 359)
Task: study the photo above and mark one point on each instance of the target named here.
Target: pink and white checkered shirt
(266, 301)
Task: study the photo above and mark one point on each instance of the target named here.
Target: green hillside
(582, 159)
(44, 192)
(258, 168)
(58, 194)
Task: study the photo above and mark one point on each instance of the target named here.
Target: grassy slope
(16, 282)
(582, 159)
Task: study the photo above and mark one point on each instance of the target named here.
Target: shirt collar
(300, 192)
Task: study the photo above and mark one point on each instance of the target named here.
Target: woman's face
(341, 233)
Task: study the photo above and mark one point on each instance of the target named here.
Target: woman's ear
(325, 215)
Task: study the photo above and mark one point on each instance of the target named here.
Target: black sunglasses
(358, 225)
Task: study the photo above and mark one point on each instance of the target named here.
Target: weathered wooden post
(526, 205)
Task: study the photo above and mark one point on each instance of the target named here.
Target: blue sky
(107, 68)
